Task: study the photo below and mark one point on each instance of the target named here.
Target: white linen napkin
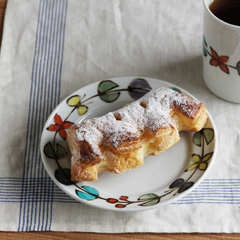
(51, 48)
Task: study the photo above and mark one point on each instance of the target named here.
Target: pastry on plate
(119, 141)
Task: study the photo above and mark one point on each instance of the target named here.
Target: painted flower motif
(59, 126)
(108, 93)
(200, 163)
(120, 205)
(181, 185)
(219, 61)
(75, 101)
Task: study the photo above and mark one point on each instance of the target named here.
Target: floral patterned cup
(221, 56)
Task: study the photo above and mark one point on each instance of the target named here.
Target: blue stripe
(36, 113)
(44, 96)
(60, 60)
(10, 191)
(29, 136)
(42, 80)
(206, 202)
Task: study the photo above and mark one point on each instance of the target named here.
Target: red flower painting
(60, 126)
(219, 61)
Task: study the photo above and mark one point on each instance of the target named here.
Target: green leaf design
(73, 100)
(207, 157)
(185, 187)
(150, 203)
(177, 183)
(61, 152)
(238, 67)
(90, 194)
(204, 41)
(106, 85)
(176, 90)
(48, 150)
(63, 175)
(197, 138)
(148, 196)
(204, 51)
(150, 199)
(196, 158)
(208, 134)
(192, 167)
(103, 90)
(84, 195)
(138, 88)
(91, 190)
(110, 97)
(82, 109)
(204, 45)
(203, 166)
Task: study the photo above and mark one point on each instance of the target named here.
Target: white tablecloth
(51, 48)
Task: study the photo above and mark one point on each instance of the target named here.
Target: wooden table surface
(97, 236)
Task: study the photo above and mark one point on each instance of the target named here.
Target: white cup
(221, 56)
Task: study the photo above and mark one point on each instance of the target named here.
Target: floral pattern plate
(162, 179)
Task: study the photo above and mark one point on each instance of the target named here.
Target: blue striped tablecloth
(51, 48)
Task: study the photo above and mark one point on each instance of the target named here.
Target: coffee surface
(226, 10)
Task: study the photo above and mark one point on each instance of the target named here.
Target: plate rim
(129, 209)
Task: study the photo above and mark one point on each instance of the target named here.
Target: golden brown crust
(119, 141)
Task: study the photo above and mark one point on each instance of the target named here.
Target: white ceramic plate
(162, 179)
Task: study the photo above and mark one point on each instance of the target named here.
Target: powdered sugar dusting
(152, 111)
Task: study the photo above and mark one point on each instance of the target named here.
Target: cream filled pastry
(119, 141)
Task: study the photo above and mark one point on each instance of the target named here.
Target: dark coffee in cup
(226, 10)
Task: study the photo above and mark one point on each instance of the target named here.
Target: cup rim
(206, 6)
